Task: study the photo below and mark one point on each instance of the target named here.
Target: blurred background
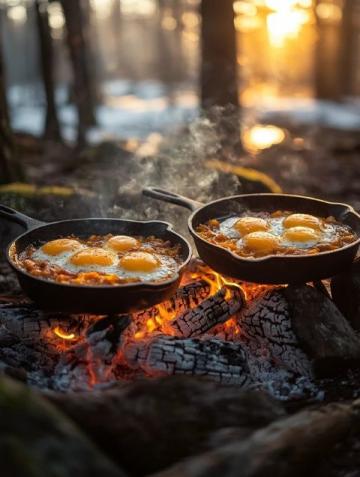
(264, 90)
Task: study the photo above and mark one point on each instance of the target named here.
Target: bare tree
(79, 56)
(10, 169)
(327, 49)
(218, 83)
(348, 45)
(218, 54)
(52, 127)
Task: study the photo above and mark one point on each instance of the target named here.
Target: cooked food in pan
(102, 260)
(279, 233)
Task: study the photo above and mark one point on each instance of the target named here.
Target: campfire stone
(37, 440)
(293, 446)
(150, 424)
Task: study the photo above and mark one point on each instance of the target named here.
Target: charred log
(267, 330)
(216, 360)
(163, 420)
(292, 446)
(216, 309)
(322, 330)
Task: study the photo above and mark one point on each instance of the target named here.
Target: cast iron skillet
(271, 269)
(92, 299)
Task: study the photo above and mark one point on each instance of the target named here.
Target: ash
(211, 336)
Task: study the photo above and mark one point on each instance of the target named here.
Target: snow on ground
(130, 110)
(137, 109)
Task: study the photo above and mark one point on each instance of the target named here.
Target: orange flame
(62, 334)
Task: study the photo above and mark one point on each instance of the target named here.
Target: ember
(225, 331)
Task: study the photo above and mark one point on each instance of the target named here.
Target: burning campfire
(229, 332)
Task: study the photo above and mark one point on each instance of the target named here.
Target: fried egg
(59, 246)
(265, 235)
(300, 237)
(302, 220)
(246, 225)
(122, 243)
(139, 262)
(58, 251)
(93, 257)
(146, 266)
(261, 242)
(76, 258)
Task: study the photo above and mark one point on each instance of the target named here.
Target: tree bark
(79, 56)
(348, 39)
(218, 76)
(10, 170)
(327, 49)
(52, 127)
(219, 65)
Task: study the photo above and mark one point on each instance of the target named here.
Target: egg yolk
(246, 225)
(303, 220)
(139, 262)
(262, 242)
(92, 256)
(122, 243)
(55, 247)
(301, 234)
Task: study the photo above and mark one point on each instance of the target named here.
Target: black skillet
(92, 299)
(272, 269)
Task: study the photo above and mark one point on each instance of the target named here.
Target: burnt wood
(345, 290)
(212, 359)
(322, 330)
(212, 311)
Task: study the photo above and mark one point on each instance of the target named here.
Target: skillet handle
(166, 196)
(22, 219)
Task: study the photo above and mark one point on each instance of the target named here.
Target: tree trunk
(91, 40)
(219, 65)
(116, 20)
(218, 78)
(52, 127)
(348, 39)
(327, 50)
(10, 170)
(79, 55)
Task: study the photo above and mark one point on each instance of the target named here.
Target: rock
(36, 440)
(293, 446)
(149, 425)
(322, 330)
(345, 290)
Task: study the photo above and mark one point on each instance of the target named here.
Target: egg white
(167, 266)
(328, 232)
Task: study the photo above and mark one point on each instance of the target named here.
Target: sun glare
(261, 137)
(17, 14)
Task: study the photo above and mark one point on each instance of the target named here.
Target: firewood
(321, 328)
(292, 446)
(345, 290)
(216, 360)
(266, 327)
(210, 312)
(150, 424)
